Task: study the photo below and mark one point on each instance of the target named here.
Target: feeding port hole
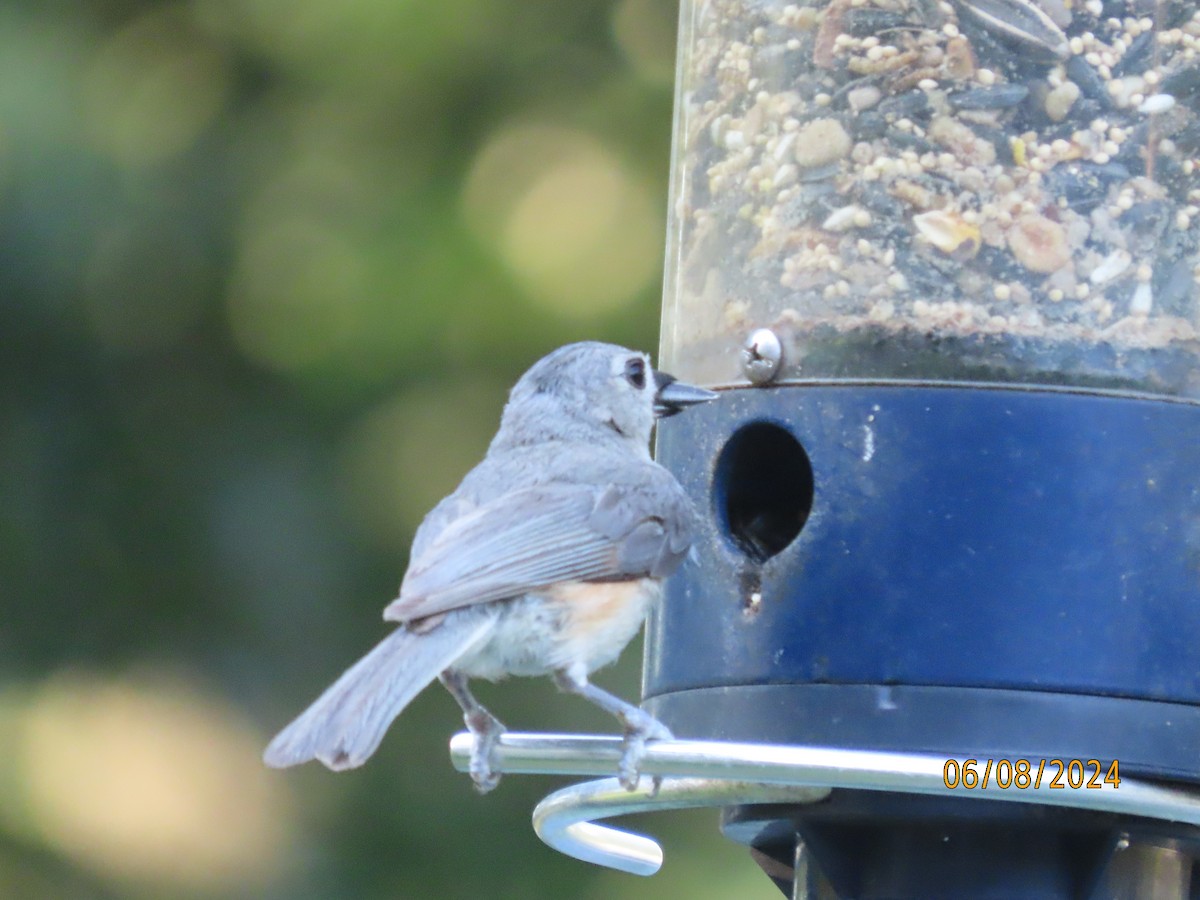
(763, 489)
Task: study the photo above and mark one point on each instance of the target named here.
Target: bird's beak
(672, 395)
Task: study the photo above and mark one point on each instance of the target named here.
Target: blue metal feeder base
(982, 572)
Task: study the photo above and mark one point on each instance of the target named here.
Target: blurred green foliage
(267, 269)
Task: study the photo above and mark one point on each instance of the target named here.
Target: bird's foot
(483, 765)
(639, 729)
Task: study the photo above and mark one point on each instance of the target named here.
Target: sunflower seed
(866, 21)
(1089, 81)
(1135, 58)
(1000, 96)
(1182, 82)
(1020, 21)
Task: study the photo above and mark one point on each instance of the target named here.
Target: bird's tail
(346, 723)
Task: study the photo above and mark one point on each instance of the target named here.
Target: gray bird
(544, 561)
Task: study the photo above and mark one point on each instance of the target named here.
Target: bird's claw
(639, 730)
(483, 766)
(485, 779)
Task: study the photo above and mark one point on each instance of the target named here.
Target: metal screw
(762, 354)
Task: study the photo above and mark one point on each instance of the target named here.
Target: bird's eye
(635, 372)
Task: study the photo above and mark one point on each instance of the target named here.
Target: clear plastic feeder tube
(950, 190)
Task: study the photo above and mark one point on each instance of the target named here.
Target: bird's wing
(539, 536)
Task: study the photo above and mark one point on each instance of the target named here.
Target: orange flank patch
(604, 615)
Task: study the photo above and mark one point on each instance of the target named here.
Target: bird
(545, 560)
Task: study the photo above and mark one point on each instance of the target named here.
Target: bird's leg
(485, 727)
(638, 724)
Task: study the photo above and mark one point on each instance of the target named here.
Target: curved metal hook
(564, 820)
(717, 773)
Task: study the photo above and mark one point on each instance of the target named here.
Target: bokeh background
(267, 268)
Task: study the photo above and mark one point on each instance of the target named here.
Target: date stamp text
(1025, 774)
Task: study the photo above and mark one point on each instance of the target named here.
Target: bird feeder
(940, 259)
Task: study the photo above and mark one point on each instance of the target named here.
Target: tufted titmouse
(544, 561)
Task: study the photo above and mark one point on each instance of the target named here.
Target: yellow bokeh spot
(578, 228)
(153, 87)
(151, 782)
(406, 455)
